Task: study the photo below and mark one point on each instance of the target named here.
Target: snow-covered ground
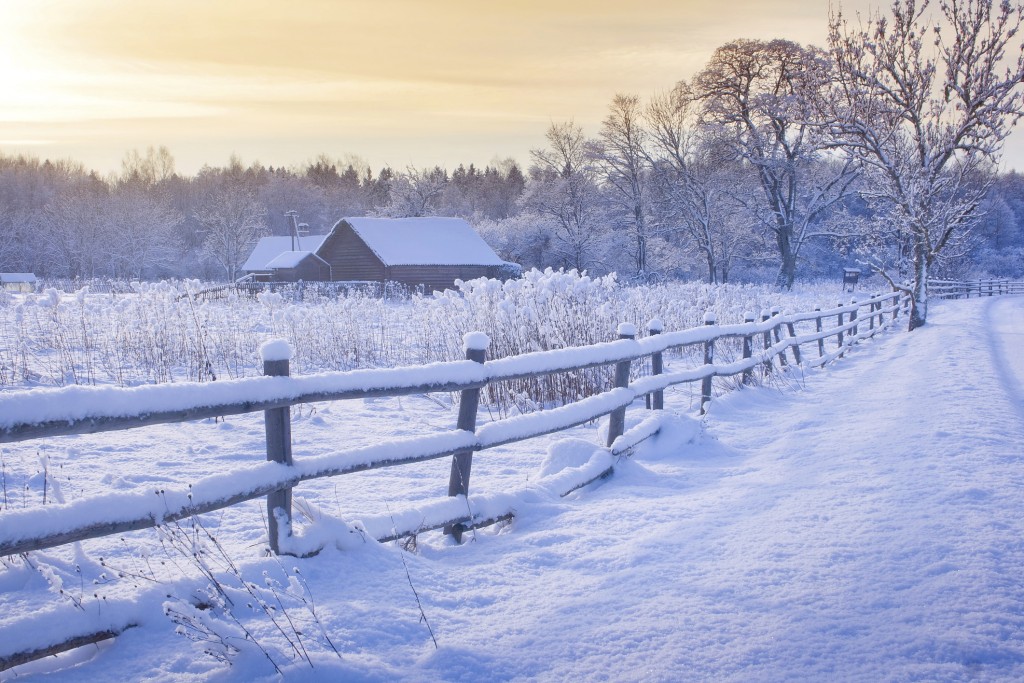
(861, 522)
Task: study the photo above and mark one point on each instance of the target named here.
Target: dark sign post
(850, 277)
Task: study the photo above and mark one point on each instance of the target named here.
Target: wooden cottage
(18, 282)
(418, 252)
(287, 259)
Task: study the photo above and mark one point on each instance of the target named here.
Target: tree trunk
(919, 298)
(787, 270)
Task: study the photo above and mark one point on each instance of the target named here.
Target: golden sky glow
(396, 82)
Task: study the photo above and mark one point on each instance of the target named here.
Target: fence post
(853, 319)
(777, 331)
(817, 327)
(709, 358)
(617, 420)
(748, 374)
(278, 426)
(767, 363)
(839, 337)
(655, 326)
(796, 345)
(475, 344)
(871, 312)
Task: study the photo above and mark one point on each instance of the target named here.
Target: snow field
(838, 528)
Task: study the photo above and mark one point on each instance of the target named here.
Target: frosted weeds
(155, 335)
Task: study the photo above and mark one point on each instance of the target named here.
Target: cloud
(356, 68)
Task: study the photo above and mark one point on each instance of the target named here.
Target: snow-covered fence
(964, 289)
(78, 410)
(81, 410)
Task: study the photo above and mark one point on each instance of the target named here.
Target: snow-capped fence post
(655, 326)
(853, 319)
(817, 327)
(839, 337)
(748, 373)
(796, 345)
(767, 364)
(475, 344)
(278, 425)
(617, 419)
(709, 358)
(777, 331)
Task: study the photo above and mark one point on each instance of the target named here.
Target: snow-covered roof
(424, 241)
(17, 277)
(269, 248)
(288, 259)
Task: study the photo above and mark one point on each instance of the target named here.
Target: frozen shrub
(161, 334)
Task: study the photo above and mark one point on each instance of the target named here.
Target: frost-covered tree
(693, 184)
(233, 220)
(77, 241)
(623, 162)
(150, 170)
(415, 193)
(763, 98)
(141, 226)
(563, 189)
(926, 103)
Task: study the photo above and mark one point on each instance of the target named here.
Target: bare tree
(233, 220)
(927, 104)
(623, 160)
(563, 188)
(763, 98)
(415, 193)
(76, 241)
(156, 167)
(140, 225)
(693, 182)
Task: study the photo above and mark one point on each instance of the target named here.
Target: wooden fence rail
(953, 289)
(45, 413)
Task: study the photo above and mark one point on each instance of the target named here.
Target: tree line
(776, 160)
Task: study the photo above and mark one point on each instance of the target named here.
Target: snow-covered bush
(158, 335)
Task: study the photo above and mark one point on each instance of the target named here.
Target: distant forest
(776, 161)
(60, 220)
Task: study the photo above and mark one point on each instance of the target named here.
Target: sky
(394, 82)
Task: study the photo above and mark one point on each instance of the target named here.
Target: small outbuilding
(18, 282)
(279, 259)
(292, 266)
(417, 252)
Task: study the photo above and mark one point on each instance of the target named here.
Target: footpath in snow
(863, 522)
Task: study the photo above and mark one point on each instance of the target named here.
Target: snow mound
(566, 453)
(475, 341)
(275, 349)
